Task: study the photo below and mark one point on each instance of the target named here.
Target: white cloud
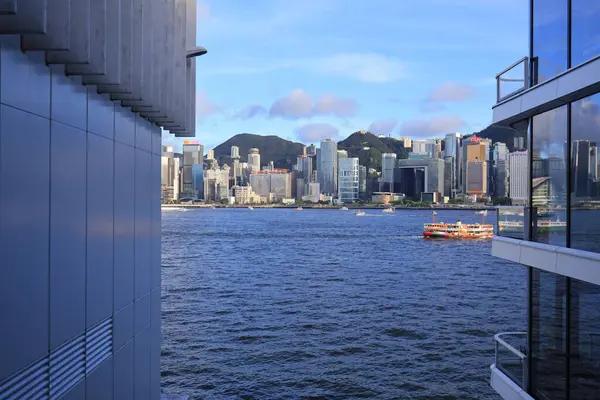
(432, 127)
(299, 104)
(205, 107)
(311, 133)
(451, 92)
(383, 126)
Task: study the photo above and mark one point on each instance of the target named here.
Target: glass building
(348, 188)
(553, 96)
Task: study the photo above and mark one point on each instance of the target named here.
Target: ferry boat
(250, 208)
(344, 208)
(457, 230)
(360, 214)
(163, 208)
(387, 210)
(298, 208)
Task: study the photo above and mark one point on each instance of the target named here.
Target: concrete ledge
(577, 264)
(505, 387)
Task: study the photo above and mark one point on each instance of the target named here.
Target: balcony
(509, 371)
(512, 80)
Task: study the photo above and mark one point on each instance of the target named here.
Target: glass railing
(511, 356)
(512, 80)
(511, 222)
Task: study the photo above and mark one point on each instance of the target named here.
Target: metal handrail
(516, 352)
(523, 357)
(511, 66)
(525, 80)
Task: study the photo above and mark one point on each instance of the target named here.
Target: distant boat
(482, 212)
(250, 208)
(344, 208)
(173, 209)
(212, 207)
(360, 214)
(388, 210)
(298, 208)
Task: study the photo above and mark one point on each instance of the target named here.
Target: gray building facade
(81, 247)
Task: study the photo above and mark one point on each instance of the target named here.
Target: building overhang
(574, 84)
(577, 264)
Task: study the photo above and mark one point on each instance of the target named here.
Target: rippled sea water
(322, 304)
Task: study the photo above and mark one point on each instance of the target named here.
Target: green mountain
(272, 148)
(369, 148)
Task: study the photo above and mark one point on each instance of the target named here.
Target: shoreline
(317, 207)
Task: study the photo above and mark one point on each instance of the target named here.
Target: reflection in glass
(584, 340)
(549, 38)
(585, 31)
(548, 335)
(585, 174)
(549, 176)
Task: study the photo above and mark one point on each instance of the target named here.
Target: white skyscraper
(210, 154)
(235, 152)
(254, 160)
(518, 177)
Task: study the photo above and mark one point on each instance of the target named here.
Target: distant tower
(210, 154)
(254, 160)
(235, 152)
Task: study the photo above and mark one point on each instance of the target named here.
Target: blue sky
(311, 69)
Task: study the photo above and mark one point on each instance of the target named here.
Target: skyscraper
(210, 154)
(192, 154)
(518, 166)
(348, 180)
(500, 170)
(328, 166)
(388, 163)
(254, 160)
(235, 152)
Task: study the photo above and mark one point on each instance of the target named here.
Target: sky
(312, 69)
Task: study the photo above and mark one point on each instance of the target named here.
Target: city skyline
(308, 73)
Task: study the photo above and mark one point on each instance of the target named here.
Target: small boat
(213, 207)
(482, 212)
(360, 214)
(250, 208)
(388, 210)
(172, 208)
(298, 208)
(344, 208)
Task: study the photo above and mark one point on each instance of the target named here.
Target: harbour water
(322, 304)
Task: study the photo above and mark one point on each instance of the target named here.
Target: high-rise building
(192, 155)
(273, 183)
(427, 146)
(235, 152)
(518, 166)
(253, 160)
(426, 175)
(169, 175)
(362, 182)
(477, 177)
(500, 170)
(327, 169)
(303, 175)
(406, 142)
(216, 183)
(210, 154)
(473, 148)
(348, 180)
(388, 163)
(311, 150)
(81, 269)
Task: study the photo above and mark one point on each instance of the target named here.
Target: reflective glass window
(549, 177)
(585, 174)
(585, 30)
(550, 38)
(548, 336)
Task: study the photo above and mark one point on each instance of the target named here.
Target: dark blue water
(321, 304)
